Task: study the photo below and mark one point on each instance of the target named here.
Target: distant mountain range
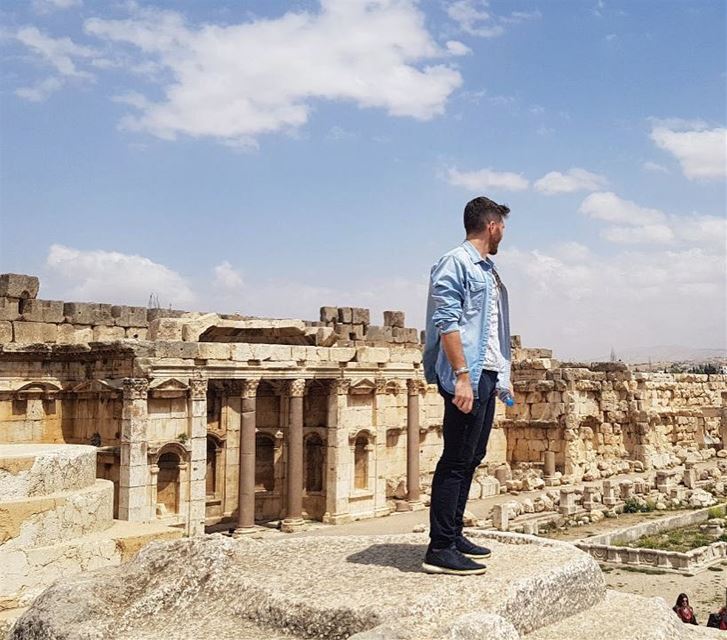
(666, 353)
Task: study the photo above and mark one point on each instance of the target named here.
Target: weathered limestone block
(214, 350)
(9, 309)
(372, 355)
(126, 316)
(406, 355)
(88, 313)
(176, 349)
(200, 580)
(281, 352)
(329, 314)
(103, 333)
(34, 310)
(193, 328)
(34, 332)
(74, 334)
(165, 329)
(240, 352)
(15, 285)
(137, 333)
(375, 333)
(360, 316)
(394, 319)
(343, 354)
(325, 337)
(6, 331)
(345, 315)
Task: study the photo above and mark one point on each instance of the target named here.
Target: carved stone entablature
(380, 385)
(198, 387)
(167, 388)
(135, 388)
(296, 388)
(98, 388)
(362, 387)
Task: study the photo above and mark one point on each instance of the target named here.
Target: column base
(402, 506)
(380, 512)
(336, 518)
(292, 525)
(244, 531)
(416, 505)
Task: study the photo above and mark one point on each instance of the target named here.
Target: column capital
(414, 386)
(198, 387)
(296, 388)
(340, 386)
(249, 386)
(135, 388)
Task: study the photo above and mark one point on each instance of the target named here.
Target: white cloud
(634, 224)
(47, 6)
(457, 48)
(609, 207)
(487, 179)
(239, 81)
(582, 303)
(40, 91)
(474, 18)
(643, 234)
(226, 277)
(58, 52)
(110, 276)
(574, 179)
(701, 152)
(654, 167)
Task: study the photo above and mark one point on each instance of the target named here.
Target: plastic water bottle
(506, 397)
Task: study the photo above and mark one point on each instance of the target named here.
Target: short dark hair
(480, 211)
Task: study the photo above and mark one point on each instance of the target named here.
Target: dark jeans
(465, 443)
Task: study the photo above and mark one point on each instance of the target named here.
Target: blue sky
(273, 157)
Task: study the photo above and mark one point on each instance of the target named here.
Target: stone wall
(602, 418)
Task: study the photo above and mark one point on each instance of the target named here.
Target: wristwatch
(461, 370)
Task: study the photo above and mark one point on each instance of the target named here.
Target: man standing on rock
(467, 353)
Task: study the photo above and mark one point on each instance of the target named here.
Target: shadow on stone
(404, 557)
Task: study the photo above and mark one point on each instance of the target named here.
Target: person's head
(485, 219)
(682, 600)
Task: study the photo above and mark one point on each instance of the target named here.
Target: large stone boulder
(321, 587)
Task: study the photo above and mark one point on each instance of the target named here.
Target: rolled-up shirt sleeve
(446, 286)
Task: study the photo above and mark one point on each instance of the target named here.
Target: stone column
(294, 472)
(246, 491)
(198, 469)
(548, 467)
(338, 458)
(134, 498)
(412, 444)
(379, 398)
(230, 420)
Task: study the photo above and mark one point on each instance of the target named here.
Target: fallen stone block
(16, 285)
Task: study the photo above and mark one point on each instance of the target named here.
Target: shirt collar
(475, 255)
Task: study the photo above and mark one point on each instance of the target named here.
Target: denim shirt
(458, 300)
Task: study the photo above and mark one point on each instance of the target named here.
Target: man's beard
(493, 247)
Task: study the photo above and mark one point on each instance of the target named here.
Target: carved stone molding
(415, 386)
(135, 388)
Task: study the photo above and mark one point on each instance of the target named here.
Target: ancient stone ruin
(205, 421)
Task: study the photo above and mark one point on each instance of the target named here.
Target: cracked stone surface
(328, 588)
(29, 470)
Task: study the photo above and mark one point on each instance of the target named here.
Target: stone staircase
(56, 519)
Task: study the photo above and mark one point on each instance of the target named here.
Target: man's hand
(463, 396)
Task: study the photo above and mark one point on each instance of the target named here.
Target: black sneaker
(450, 561)
(470, 549)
